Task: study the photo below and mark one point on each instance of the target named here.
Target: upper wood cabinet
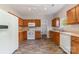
(36, 21)
(25, 23)
(77, 13)
(73, 15)
(56, 22)
(20, 22)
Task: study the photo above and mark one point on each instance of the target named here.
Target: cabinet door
(77, 13)
(21, 37)
(26, 23)
(56, 22)
(71, 16)
(56, 38)
(37, 22)
(25, 35)
(37, 35)
(20, 22)
(75, 45)
(51, 35)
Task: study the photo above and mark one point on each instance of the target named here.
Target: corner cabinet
(73, 15)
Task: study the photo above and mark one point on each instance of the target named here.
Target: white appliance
(31, 31)
(65, 42)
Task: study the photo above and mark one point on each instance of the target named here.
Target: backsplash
(74, 28)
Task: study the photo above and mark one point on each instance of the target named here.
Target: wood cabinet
(51, 34)
(20, 22)
(37, 35)
(25, 35)
(25, 23)
(55, 37)
(36, 21)
(74, 45)
(56, 22)
(73, 15)
(77, 13)
(21, 38)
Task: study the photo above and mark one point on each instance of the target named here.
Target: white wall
(8, 37)
(8, 8)
(62, 15)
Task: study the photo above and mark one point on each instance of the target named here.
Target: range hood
(3, 27)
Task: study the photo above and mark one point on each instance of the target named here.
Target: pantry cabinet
(55, 37)
(74, 45)
(56, 22)
(73, 15)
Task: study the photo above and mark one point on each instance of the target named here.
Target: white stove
(31, 31)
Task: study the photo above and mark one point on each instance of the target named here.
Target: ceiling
(36, 9)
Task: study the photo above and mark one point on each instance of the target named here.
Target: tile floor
(38, 47)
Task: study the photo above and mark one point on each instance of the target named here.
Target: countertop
(72, 33)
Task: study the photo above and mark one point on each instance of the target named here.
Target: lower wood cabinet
(37, 35)
(25, 35)
(74, 45)
(55, 37)
(21, 38)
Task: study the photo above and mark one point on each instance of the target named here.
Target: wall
(9, 9)
(8, 37)
(63, 16)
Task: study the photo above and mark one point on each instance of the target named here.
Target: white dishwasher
(65, 42)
